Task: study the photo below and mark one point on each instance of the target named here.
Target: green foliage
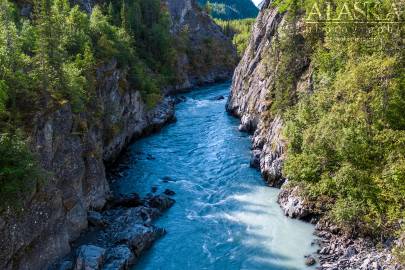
(230, 9)
(239, 31)
(347, 139)
(50, 60)
(19, 171)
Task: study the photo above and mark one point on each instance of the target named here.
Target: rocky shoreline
(337, 250)
(118, 235)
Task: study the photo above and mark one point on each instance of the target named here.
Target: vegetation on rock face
(346, 137)
(49, 58)
(19, 171)
(230, 9)
(239, 31)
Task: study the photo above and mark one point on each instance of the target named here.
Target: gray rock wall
(72, 149)
(253, 86)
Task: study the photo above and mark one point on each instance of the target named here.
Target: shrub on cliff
(239, 31)
(19, 171)
(346, 139)
(49, 59)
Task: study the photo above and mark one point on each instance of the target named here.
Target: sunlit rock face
(253, 85)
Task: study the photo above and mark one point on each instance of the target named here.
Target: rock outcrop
(73, 148)
(209, 55)
(119, 236)
(250, 98)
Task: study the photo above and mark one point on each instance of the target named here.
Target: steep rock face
(251, 99)
(205, 54)
(72, 149)
(252, 89)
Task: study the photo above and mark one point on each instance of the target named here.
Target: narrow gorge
(160, 134)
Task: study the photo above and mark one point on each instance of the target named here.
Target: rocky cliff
(206, 55)
(253, 98)
(73, 147)
(72, 150)
(253, 87)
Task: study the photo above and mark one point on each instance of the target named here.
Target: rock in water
(168, 179)
(139, 237)
(169, 192)
(218, 98)
(95, 219)
(255, 159)
(131, 200)
(89, 257)
(310, 261)
(119, 258)
(160, 202)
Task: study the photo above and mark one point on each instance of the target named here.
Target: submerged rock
(218, 98)
(167, 179)
(169, 192)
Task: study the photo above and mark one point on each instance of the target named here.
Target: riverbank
(338, 248)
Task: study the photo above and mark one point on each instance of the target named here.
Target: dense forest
(50, 58)
(230, 9)
(346, 137)
(239, 31)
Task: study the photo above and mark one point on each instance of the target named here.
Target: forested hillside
(78, 81)
(51, 60)
(327, 100)
(230, 9)
(239, 31)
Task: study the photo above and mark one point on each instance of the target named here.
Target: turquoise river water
(225, 217)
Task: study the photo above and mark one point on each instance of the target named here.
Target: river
(225, 217)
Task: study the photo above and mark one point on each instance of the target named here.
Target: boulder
(161, 202)
(131, 200)
(89, 257)
(95, 219)
(255, 159)
(309, 261)
(139, 237)
(119, 258)
(169, 192)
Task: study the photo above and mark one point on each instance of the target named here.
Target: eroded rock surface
(120, 239)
